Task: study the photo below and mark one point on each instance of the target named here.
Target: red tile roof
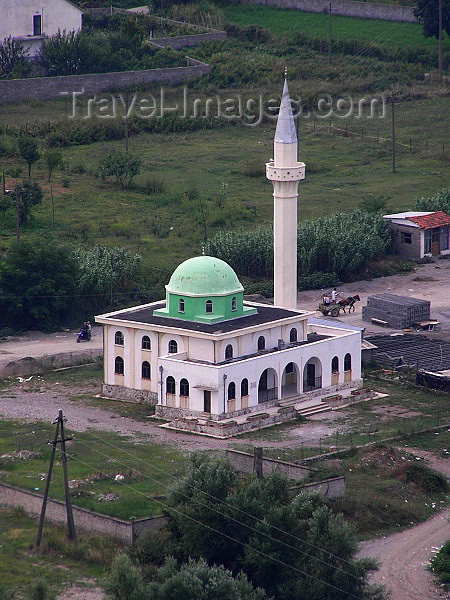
(436, 219)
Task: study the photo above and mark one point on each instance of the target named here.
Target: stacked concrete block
(399, 312)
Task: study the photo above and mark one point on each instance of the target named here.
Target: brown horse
(349, 302)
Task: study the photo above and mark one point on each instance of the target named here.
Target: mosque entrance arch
(268, 386)
(290, 380)
(312, 375)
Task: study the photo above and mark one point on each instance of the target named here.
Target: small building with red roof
(418, 234)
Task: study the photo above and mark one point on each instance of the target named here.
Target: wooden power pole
(330, 35)
(440, 40)
(59, 421)
(258, 462)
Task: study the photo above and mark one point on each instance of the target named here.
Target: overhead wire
(258, 551)
(228, 505)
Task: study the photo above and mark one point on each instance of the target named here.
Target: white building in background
(205, 353)
(32, 21)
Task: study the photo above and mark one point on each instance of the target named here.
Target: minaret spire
(285, 172)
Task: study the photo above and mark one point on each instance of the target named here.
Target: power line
(273, 558)
(177, 479)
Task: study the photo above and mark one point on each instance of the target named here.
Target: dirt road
(404, 557)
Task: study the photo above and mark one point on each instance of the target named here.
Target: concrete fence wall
(243, 463)
(328, 488)
(30, 366)
(188, 40)
(93, 522)
(348, 8)
(45, 88)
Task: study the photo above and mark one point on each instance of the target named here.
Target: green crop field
(287, 23)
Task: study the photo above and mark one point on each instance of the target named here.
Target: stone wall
(181, 41)
(30, 365)
(348, 8)
(87, 520)
(118, 392)
(45, 88)
(243, 462)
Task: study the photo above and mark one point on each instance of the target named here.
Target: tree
(373, 204)
(292, 547)
(38, 286)
(427, 12)
(12, 55)
(53, 159)
(194, 580)
(121, 165)
(28, 150)
(28, 194)
(440, 201)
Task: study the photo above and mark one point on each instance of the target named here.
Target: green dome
(204, 276)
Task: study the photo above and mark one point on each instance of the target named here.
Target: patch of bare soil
(85, 589)
(394, 411)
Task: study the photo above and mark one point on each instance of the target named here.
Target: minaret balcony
(295, 173)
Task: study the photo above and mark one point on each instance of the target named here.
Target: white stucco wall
(16, 17)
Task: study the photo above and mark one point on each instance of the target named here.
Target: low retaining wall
(243, 462)
(228, 429)
(45, 88)
(118, 392)
(93, 522)
(181, 41)
(31, 366)
(347, 8)
(328, 488)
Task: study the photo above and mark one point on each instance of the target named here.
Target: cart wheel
(335, 312)
(325, 312)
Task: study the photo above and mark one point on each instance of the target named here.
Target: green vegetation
(289, 23)
(253, 525)
(440, 565)
(58, 563)
(440, 201)
(95, 458)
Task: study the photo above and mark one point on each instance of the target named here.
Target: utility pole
(393, 135)
(257, 462)
(330, 35)
(59, 421)
(18, 196)
(440, 39)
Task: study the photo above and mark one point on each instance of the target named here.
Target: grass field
(95, 458)
(286, 23)
(339, 172)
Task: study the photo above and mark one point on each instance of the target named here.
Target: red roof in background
(436, 219)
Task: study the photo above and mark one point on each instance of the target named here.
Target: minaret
(285, 172)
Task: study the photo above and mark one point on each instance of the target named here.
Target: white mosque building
(205, 355)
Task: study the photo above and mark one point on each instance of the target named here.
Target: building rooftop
(436, 219)
(204, 276)
(285, 131)
(144, 314)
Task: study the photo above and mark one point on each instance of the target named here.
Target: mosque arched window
(145, 371)
(261, 342)
(244, 387)
(293, 335)
(173, 347)
(348, 362)
(118, 338)
(184, 387)
(228, 352)
(146, 343)
(119, 366)
(233, 303)
(209, 307)
(181, 305)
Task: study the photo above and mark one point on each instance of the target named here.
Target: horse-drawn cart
(329, 309)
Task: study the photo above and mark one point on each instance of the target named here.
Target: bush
(440, 564)
(154, 185)
(121, 165)
(426, 479)
(440, 201)
(317, 281)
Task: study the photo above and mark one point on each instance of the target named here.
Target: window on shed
(118, 366)
(170, 385)
(118, 338)
(184, 387)
(335, 365)
(261, 342)
(293, 335)
(181, 305)
(173, 347)
(427, 241)
(228, 352)
(209, 306)
(146, 343)
(406, 237)
(37, 24)
(231, 390)
(145, 373)
(244, 387)
(348, 362)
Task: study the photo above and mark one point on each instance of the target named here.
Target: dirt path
(404, 557)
